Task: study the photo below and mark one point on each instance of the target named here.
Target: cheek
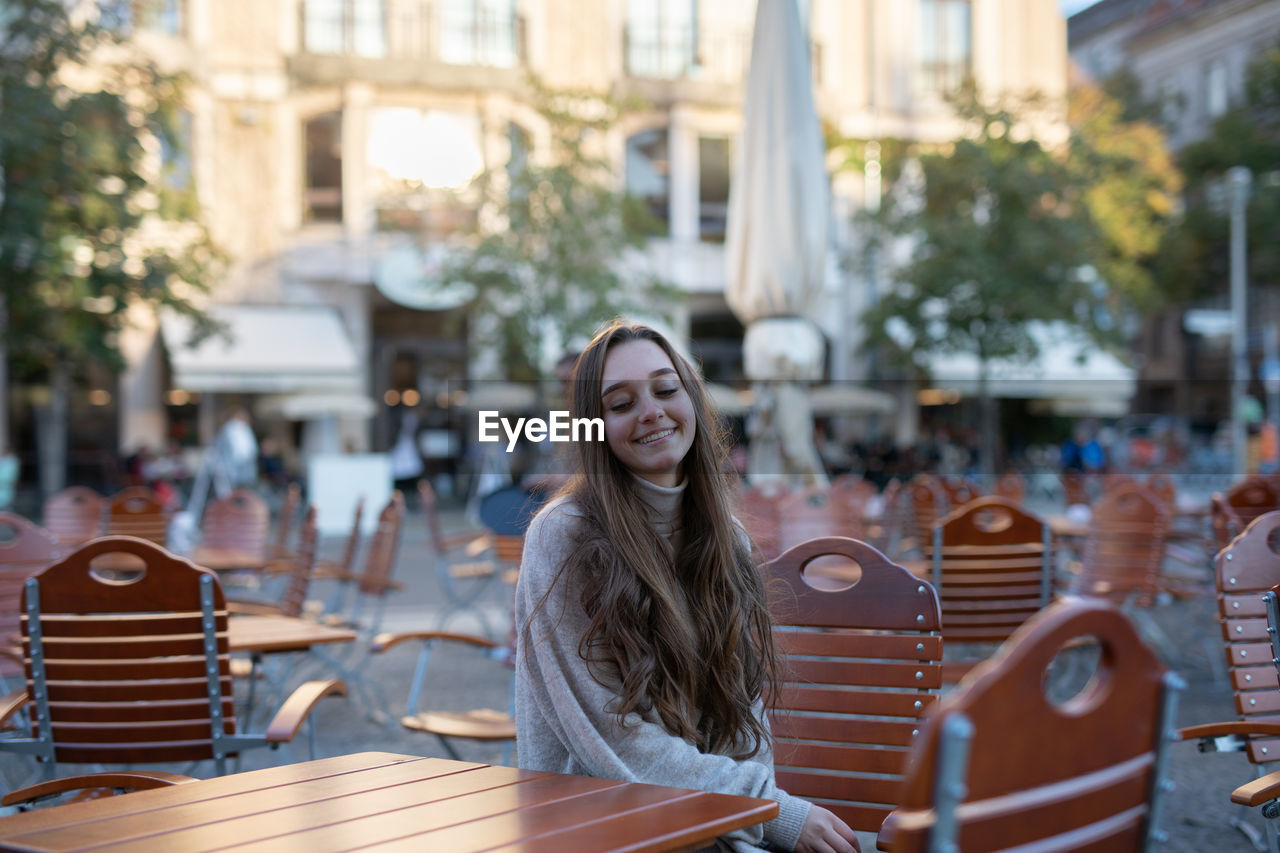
(616, 432)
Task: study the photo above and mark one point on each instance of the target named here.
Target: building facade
(310, 118)
(1191, 57)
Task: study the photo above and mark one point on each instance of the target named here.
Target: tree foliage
(552, 256)
(1248, 134)
(89, 228)
(1001, 237)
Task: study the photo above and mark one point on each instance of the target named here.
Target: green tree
(1007, 233)
(552, 255)
(89, 229)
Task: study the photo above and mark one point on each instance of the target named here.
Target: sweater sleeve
(564, 716)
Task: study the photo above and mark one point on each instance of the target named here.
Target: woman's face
(648, 416)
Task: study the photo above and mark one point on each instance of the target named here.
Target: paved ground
(1197, 812)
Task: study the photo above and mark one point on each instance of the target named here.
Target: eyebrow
(615, 386)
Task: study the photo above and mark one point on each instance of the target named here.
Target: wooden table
(264, 634)
(390, 803)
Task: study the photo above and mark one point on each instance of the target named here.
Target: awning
(1070, 367)
(267, 349)
(308, 405)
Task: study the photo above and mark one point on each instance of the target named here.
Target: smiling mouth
(655, 436)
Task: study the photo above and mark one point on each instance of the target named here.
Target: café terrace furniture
(993, 569)
(24, 550)
(1232, 510)
(138, 511)
(999, 765)
(345, 566)
(233, 535)
(861, 665)
(1243, 571)
(482, 725)
(134, 669)
(391, 803)
(465, 563)
(74, 515)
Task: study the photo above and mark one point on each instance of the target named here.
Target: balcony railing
(702, 53)
(451, 33)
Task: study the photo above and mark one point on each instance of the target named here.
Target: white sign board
(335, 481)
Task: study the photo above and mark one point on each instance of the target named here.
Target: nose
(649, 410)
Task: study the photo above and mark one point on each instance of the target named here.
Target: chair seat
(479, 724)
(472, 570)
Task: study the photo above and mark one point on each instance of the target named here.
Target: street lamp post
(1238, 179)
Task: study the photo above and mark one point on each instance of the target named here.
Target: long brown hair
(684, 634)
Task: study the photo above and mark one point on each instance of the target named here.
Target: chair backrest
(284, 520)
(384, 545)
(139, 512)
(302, 561)
(1162, 486)
(74, 515)
(1243, 571)
(129, 670)
(812, 513)
(1011, 485)
(959, 490)
(1074, 488)
(26, 550)
(759, 511)
(431, 509)
(992, 567)
(929, 501)
(861, 666)
(236, 521)
(1125, 547)
(1242, 503)
(999, 766)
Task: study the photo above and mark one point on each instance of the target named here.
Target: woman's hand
(823, 832)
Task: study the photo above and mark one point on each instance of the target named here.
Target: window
(479, 32)
(713, 188)
(649, 172)
(946, 44)
(322, 189)
(175, 158)
(344, 27)
(162, 16)
(661, 38)
(1216, 98)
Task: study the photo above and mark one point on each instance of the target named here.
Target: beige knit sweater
(562, 721)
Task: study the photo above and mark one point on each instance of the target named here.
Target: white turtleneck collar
(664, 503)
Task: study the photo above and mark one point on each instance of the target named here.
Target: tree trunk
(51, 437)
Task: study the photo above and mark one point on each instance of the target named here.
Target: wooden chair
(993, 569)
(862, 664)
(135, 670)
(928, 502)
(1000, 766)
(139, 512)
(74, 515)
(374, 582)
(342, 571)
(1075, 491)
(466, 563)
(301, 562)
(1264, 791)
(815, 512)
(1232, 511)
(959, 490)
(1246, 569)
(1125, 548)
(758, 510)
(24, 550)
(1012, 486)
(479, 725)
(233, 534)
(284, 521)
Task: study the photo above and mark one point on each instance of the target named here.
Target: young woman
(644, 643)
